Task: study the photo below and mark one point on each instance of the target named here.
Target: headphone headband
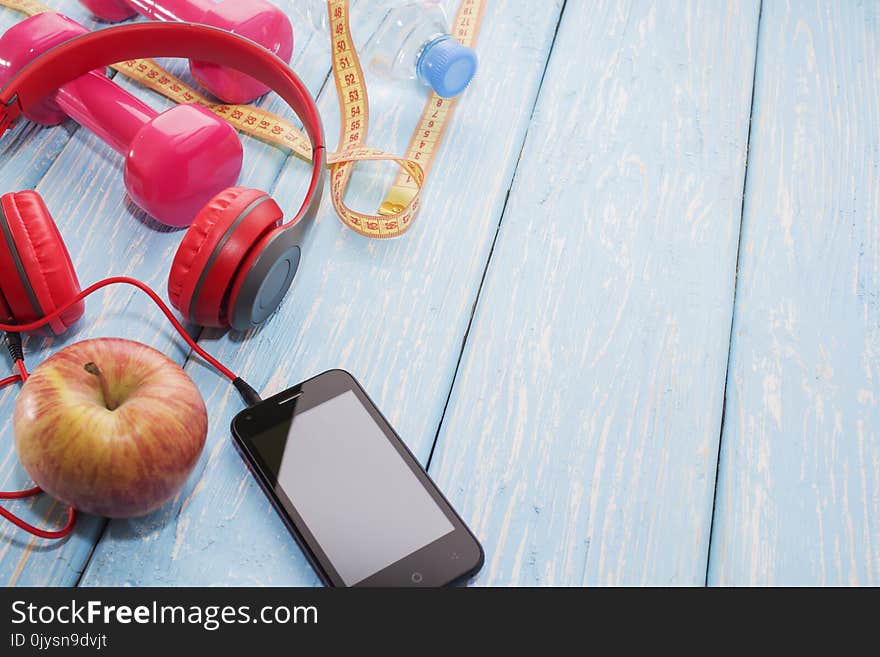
(100, 49)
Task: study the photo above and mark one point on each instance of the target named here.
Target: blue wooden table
(634, 334)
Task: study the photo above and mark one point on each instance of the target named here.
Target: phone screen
(358, 497)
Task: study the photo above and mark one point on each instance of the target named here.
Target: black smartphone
(354, 497)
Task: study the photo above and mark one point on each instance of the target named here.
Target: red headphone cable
(247, 393)
(13, 341)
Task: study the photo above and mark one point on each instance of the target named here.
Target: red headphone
(237, 259)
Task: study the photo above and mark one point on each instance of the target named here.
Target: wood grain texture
(81, 180)
(26, 155)
(393, 313)
(582, 432)
(799, 484)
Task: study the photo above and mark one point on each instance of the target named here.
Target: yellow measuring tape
(25, 6)
(401, 204)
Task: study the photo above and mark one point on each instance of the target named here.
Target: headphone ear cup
(264, 279)
(36, 272)
(213, 250)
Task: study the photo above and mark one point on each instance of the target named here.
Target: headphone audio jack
(13, 344)
(250, 396)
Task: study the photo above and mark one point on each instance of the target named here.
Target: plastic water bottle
(413, 42)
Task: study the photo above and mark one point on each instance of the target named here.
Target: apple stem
(109, 402)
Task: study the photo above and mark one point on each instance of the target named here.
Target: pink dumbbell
(175, 162)
(255, 19)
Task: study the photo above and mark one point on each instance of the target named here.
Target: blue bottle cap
(447, 66)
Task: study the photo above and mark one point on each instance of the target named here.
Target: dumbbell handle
(105, 108)
(172, 10)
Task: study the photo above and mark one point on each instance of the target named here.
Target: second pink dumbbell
(175, 162)
(257, 20)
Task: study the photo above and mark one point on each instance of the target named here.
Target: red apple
(110, 426)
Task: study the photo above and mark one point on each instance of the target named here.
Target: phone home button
(417, 578)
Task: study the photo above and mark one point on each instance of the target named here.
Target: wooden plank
(26, 154)
(582, 432)
(798, 499)
(106, 235)
(393, 313)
